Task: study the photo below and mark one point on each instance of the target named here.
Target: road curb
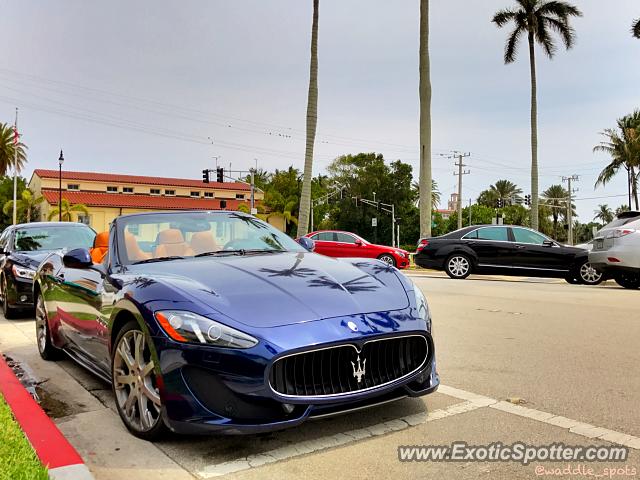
(52, 448)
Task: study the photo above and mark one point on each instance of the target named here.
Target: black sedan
(505, 250)
(23, 247)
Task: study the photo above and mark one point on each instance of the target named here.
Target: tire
(7, 310)
(628, 280)
(458, 266)
(589, 275)
(572, 279)
(43, 335)
(388, 259)
(134, 384)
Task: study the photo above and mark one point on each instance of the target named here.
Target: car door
(492, 246)
(324, 243)
(347, 246)
(534, 251)
(83, 308)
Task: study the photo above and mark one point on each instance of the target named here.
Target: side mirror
(307, 243)
(358, 242)
(77, 258)
(549, 243)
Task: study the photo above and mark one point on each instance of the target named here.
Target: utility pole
(572, 178)
(16, 140)
(470, 203)
(460, 173)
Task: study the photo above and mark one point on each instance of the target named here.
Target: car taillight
(622, 232)
(421, 245)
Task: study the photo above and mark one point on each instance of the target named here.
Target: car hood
(283, 288)
(30, 259)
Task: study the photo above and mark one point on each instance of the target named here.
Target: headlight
(23, 272)
(421, 303)
(187, 327)
(402, 254)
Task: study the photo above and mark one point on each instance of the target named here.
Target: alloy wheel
(458, 266)
(41, 325)
(388, 259)
(590, 275)
(134, 382)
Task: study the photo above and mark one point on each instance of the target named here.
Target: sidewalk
(86, 418)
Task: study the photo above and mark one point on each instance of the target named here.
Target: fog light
(288, 408)
(23, 298)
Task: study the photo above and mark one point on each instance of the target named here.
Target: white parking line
(573, 426)
(472, 401)
(336, 440)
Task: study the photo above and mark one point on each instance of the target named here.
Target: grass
(17, 459)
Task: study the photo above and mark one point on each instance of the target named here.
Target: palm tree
(622, 209)
(435, 193)
(7, 152)
(425, 123)
(67, 210)
(537, 19)
(624, 148)
(26, 205)
(506, 190)
(555, 198)
(635, 28)
(312, 122)
(603, 213)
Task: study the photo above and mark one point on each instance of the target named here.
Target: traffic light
(499, 203)
(220, 174)
(527, 200)
(205, 176)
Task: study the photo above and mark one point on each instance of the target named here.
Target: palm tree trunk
(312, 122)
(534, 135)
(425, 123)
(634, 187)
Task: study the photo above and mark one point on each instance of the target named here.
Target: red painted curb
(52, 448)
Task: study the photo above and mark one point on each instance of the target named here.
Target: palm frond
(511, 47)
(635, 28)
(566, 32)
(502, 17)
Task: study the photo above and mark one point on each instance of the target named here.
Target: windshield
(53, 237)
(188, 234)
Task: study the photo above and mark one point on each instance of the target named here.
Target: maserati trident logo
(360, 371)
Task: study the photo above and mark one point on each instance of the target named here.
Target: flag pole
(16, 140)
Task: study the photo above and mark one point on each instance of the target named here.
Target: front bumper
(20, 293)
(206, 389)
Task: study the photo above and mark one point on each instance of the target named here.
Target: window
(345, 238)
(325, 237)
(170, 192)
(73, 186)
(208, 195)
(493, 233)
(35, 238)
(84, 219)
(195, 194)
(127, 189)
(155, 191)
(471, 235)
(112, 189)
(239, 196)
(523, 235)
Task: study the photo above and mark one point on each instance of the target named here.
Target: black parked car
(505, 250)
(23, 247)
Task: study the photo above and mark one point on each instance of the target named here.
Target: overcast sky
(160, 88)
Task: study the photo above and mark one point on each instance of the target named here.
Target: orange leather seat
(134, 252)
(202, 242)
(100, 247)
(171, 243)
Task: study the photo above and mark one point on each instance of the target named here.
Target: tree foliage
(7, 150)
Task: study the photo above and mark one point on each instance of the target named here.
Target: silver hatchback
(616, 249)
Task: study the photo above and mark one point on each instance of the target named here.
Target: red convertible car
(334, 243)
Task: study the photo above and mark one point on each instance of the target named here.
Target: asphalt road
(567, 355)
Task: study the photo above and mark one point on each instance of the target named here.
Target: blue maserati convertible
(217, 322)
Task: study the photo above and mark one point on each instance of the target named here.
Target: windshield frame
(121, 223)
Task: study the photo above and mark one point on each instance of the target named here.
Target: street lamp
(60, 162)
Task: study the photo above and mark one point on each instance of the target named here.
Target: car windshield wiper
(158, 259)
(222, 253)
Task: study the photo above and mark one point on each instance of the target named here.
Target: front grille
(335, 370)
